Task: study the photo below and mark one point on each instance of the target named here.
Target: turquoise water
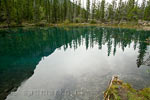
(70, 63)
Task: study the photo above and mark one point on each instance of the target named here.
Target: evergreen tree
(65, 9)
(88, 9)
(98, 11)
(93, 9)
(130, 9)
(142, 9)
(102, 10)
(119, 11)
(110, 12)
(7, 12)
(55, 11)
(147, 11)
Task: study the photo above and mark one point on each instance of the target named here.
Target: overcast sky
(84, 1)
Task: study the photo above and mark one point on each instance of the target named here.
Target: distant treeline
(59, 11)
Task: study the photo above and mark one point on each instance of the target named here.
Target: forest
(66, 11)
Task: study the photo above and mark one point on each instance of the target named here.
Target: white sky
(83, 2)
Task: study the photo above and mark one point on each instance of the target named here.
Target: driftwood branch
(114, 79)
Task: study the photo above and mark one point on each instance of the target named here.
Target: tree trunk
(7, 12)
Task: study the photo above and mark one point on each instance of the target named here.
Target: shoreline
(128, 26)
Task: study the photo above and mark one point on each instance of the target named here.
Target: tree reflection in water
(22, 49)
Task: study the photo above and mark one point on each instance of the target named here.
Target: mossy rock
(118, 90)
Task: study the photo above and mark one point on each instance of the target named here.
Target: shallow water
(71, 63)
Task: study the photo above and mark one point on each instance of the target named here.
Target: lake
(70, 63)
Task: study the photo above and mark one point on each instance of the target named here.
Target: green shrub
(66, 21)
(76, 20)
(93, 22)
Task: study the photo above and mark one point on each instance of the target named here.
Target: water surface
(71, 63)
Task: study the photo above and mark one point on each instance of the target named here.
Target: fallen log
(114, 80)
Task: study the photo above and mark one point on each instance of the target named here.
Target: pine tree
(97, 11)
(142, 9)
(110, 12)
(93, 9)
(55, 11)
(147, 11)
(88, 10)
(102, 10)
(7, 12)
(119, 12)
(65, 9)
